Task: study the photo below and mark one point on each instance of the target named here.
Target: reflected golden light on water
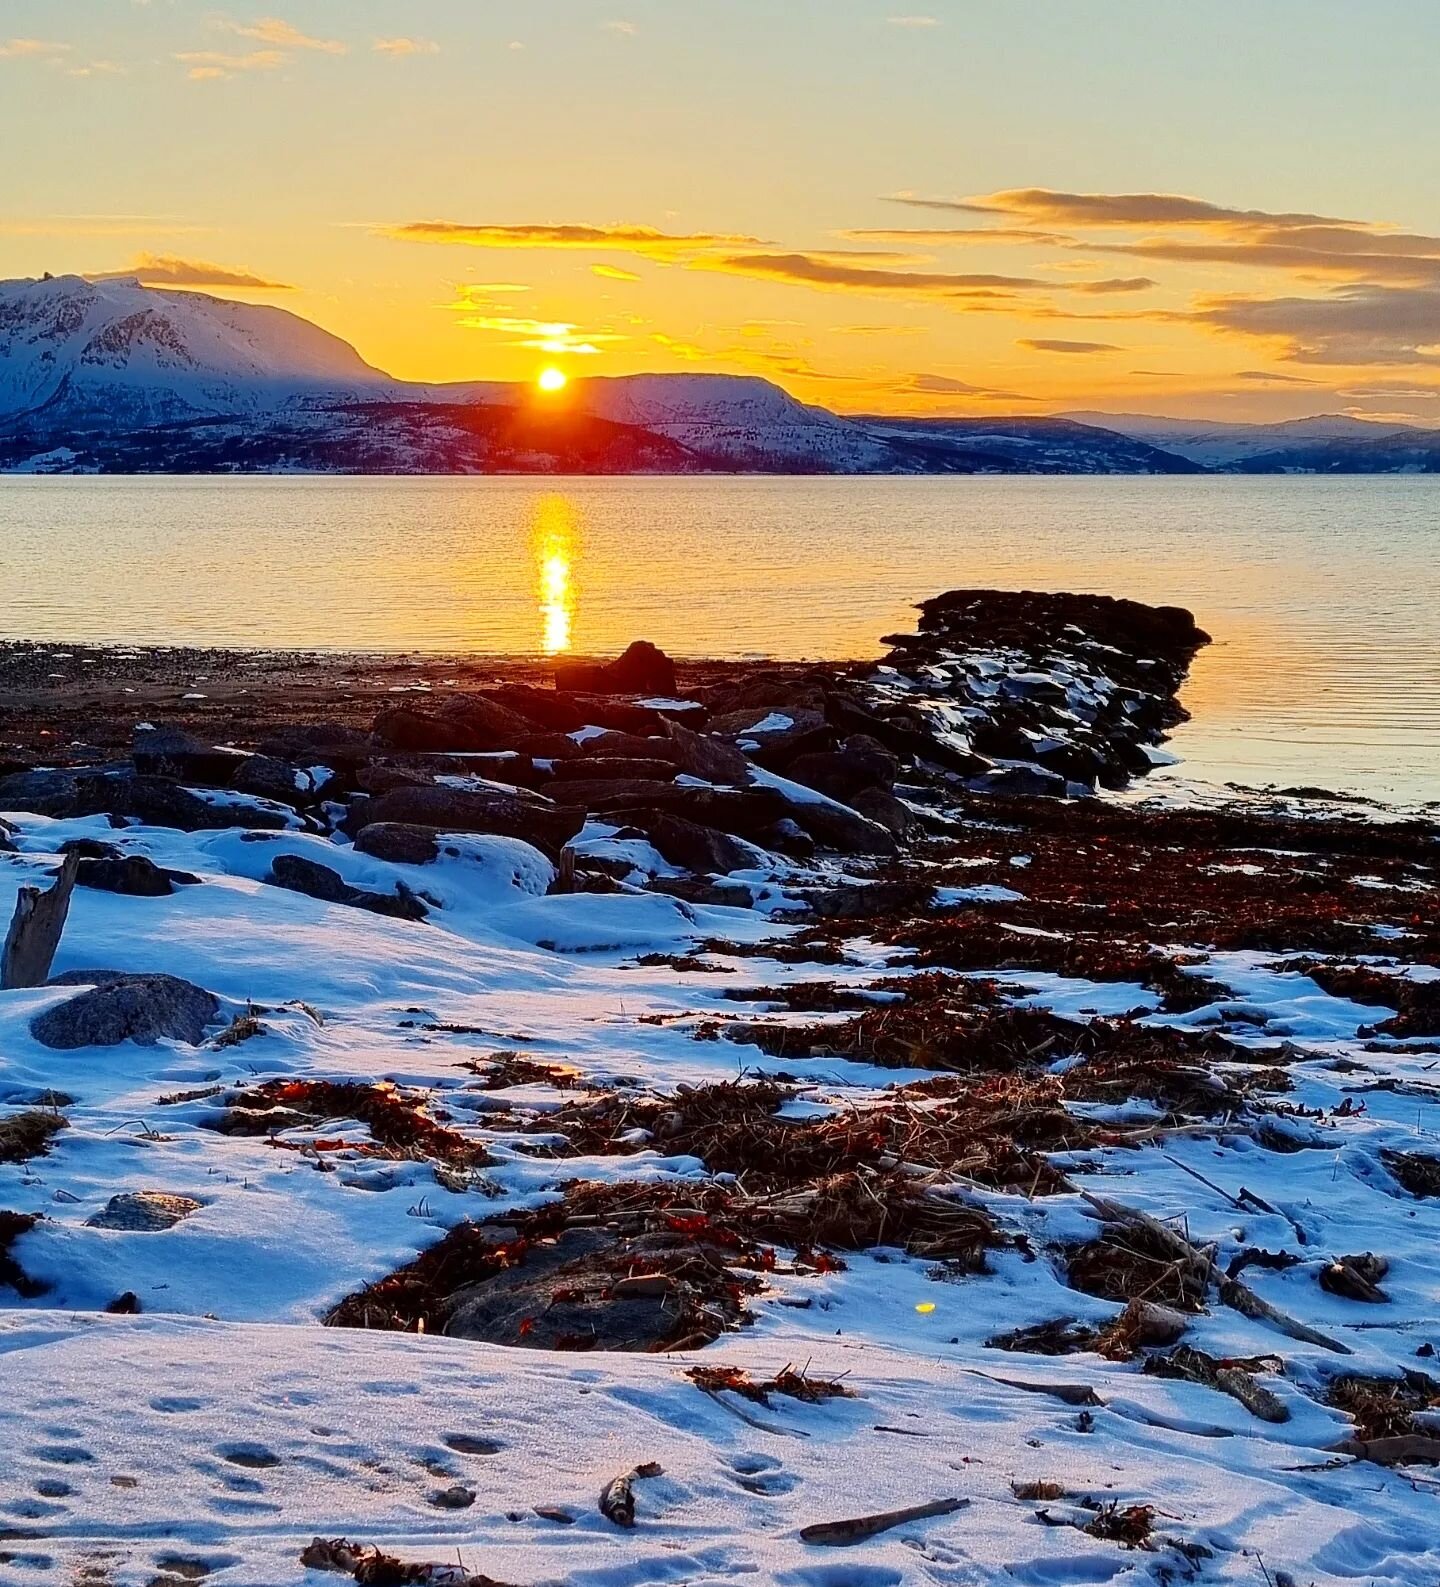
(555, 536)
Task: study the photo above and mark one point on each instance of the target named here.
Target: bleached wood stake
(35, 929)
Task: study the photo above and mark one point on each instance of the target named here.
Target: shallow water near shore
(1322, 595)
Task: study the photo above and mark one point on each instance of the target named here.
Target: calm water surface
(1323, 595)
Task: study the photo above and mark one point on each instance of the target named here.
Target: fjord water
(1322, 594)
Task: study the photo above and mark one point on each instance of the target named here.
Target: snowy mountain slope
(1226, 445)
(128, 354)
(1024, 444)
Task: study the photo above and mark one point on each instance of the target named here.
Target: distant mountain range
(115, 377)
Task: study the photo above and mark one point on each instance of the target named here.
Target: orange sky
(967, 210)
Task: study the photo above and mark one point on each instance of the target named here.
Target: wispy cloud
(214, 65)
(281, 35)
(1046, 344)
(945, 386)
(820, 270)
(609, 272)
(32, 49)
(643, 240)
(399, 47)
(913, 22)
(166, 270)
(621, 26)
(545, 336)
(1046, 205)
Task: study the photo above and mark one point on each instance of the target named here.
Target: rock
(612, 768)
(861, 762)
(170, 752)
(124, 1007)
(399, 842)
(312, 743)
(643, 669)
(143, 1212)
(615, 745)
(547, 827)
(709, 758)
(268, 778)
(455, 1497)
(882, 807)
(750, 813)
(69, 792)
(545, 707)
(620, 716)
(134, 876)
(870, 901)
(92, 849)
(775, 738)
(1020, 782)
(299, 875)
(491, 724)
(553, 1299)
(695, 847)
(837, 826)
(601, 794)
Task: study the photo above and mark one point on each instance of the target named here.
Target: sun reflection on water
(555, 536)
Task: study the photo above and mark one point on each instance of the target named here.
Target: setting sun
(552, 379)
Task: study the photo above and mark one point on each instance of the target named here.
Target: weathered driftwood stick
(617, 1497)
(1233, 1293)
(840, 1534)
(35, 929)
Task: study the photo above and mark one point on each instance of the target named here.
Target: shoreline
(752, 1069)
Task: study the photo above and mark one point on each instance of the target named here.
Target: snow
(224, 1425)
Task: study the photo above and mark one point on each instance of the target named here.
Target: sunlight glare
(554, 539)
(552, 379)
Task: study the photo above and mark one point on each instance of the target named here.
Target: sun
(552, 379)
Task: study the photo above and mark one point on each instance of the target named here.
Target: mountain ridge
(112, 376)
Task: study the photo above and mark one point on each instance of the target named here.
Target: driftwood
(617, 1497)
(35, 929)
(1240, 1297)
(1403, 1450)
(841, 1534)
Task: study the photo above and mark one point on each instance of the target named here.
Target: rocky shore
(464, 1086)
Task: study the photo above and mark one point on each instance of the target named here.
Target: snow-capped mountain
(111, 376)
(116, 351)
(1227, 445)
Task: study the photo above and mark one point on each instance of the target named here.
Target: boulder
(547, 827)
(266, 777)
(399, 842)
(860, 762)
(642, 669)
(621, 716)
(170, 752)
(774, 738)
(123, 1007)
(695, 847)
(299, 875)
(143, 1212)
(316, 743)
(133, 875)
(882, 807)
(612, 768)
(1022, 782)
(69, 792)
(750, 813)
(708, 758)
(615, 745)
(546, 708)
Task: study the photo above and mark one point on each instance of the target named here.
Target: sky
(1228, 210)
